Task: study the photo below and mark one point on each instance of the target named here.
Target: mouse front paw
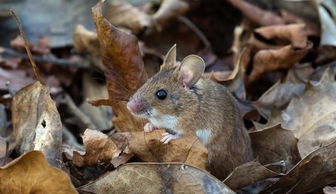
(167, 137)
(149, 127)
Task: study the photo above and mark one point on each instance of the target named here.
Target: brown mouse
(179, 100)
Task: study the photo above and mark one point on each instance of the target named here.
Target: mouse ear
(191, 70)
(170, 59)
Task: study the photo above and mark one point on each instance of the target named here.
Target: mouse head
(171, 90)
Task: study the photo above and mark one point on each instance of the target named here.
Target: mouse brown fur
(179, 100)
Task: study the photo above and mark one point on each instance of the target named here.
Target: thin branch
(55, 61)
(196, 30)
(78, 113)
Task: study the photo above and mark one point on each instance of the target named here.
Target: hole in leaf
(44, 124)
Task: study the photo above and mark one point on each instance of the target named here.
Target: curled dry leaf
(30, 173)
(275, 144)
(248, 173)
(36, 122)
(284, 34)
(156, 178)
(99, 148)
(125, 69)
(311, 117)
(274, 59)
(189, 149)
(315, 171)
(122, 14)
(277, 97)
(85, 40)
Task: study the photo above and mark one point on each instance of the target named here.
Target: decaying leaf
(189, 149)
(315, 171)
(36, 122)
(311, 117)
(248, 173)
(125, 69)
(156, 178)
(275, 144)
(99, 148)
(30, 173)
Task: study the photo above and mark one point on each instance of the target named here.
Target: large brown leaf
(274, 144)
(156, 178)
(315, 171)
(311, 117)
(125, 69)
(248, 173)
(36, 122)
(30, 173)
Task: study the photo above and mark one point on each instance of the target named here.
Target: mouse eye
(161, 94)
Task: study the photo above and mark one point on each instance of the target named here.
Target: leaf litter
(281, 68)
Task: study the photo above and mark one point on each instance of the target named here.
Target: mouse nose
(135, 106)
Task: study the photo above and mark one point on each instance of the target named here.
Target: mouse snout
(136, 105)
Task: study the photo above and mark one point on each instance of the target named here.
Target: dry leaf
(284, 34)
(328, 24)
(36, 122)
(100, 116)
(277, 97)
(248, 173)
(85, 41)
(122, 14)
(274, 59)
(329, 190)
(125, 69)
(99, 148)
(156, 178)
(311, 117)
(275, 144)
(188, 149)
(315, 171)
(30, 173)
(168, 11)
(256, 14)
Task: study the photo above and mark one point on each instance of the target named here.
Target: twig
(78, 113)
(196, 30)
(30, 56)
(56, 61)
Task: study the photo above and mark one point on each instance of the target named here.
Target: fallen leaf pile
(65, 127)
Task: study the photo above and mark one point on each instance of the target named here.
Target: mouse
(180, 100)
